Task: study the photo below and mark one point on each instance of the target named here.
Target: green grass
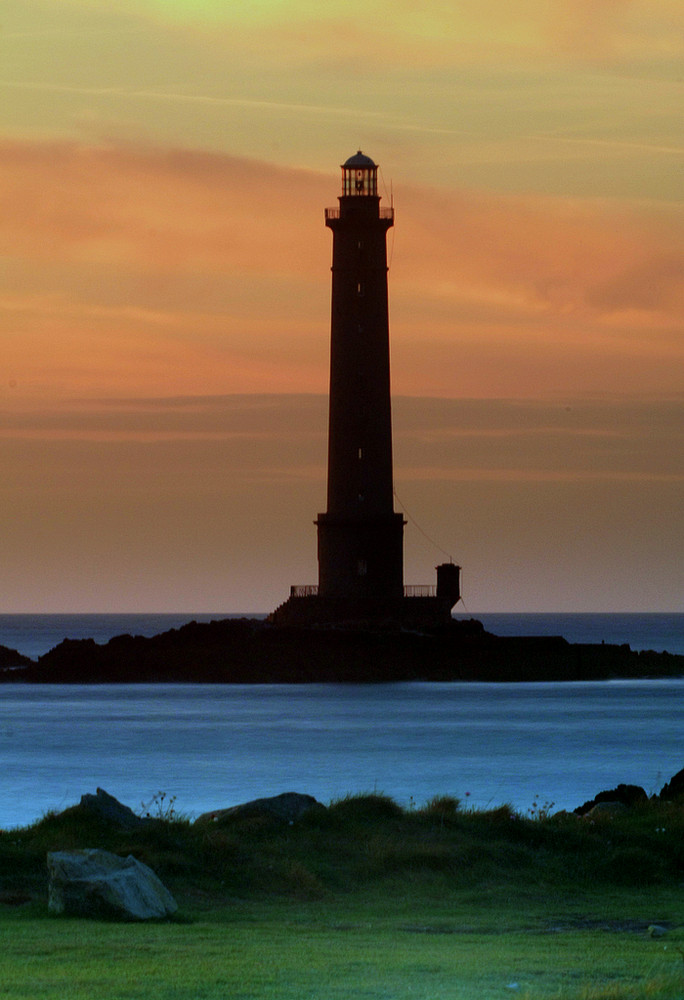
(364, 900)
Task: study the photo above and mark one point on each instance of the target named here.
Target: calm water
(219, 745)
(214, 746)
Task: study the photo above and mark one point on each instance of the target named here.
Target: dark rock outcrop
(249, 651)
(109, 810)
(286, 808)
(10, 659)
(623, 795)
(674, 789)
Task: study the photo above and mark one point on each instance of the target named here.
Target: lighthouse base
(360, 558)
(310, 609)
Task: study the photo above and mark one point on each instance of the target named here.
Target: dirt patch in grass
(622, 926)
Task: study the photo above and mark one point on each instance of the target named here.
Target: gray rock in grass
(95, 883)
(605, 809)
(287, 808)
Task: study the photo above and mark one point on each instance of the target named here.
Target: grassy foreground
(365, 900)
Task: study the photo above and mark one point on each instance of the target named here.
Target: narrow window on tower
(359, 288)
(360, 454)
(362, 567)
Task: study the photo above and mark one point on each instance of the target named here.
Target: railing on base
(420, 590)
(307, 590)
(413, 590)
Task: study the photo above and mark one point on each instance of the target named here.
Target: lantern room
(359, 176)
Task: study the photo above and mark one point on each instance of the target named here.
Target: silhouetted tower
(360, 537)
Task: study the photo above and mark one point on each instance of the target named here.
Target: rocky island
(252, 651)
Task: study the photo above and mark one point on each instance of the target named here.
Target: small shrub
(161, 806)
(540, 810)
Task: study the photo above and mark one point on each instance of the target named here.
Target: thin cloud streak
(610, 143)
(591, 437)
(388, 121)
(171, 96)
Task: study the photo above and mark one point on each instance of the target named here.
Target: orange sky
(164, 295)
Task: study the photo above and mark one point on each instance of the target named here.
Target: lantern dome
(359, 161)
(359, 176)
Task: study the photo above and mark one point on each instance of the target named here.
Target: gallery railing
(383, 213)
(420, 590)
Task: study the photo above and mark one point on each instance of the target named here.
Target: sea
(199, 747)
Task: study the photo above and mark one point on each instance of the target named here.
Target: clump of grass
(502, 816)
(390, 855)
(366, 809)
(443, 808)
(292, 878)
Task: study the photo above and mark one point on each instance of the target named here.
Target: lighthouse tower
(360, 536)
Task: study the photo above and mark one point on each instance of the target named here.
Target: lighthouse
(360, 535)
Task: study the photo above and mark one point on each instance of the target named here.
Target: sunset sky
(165, 285)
